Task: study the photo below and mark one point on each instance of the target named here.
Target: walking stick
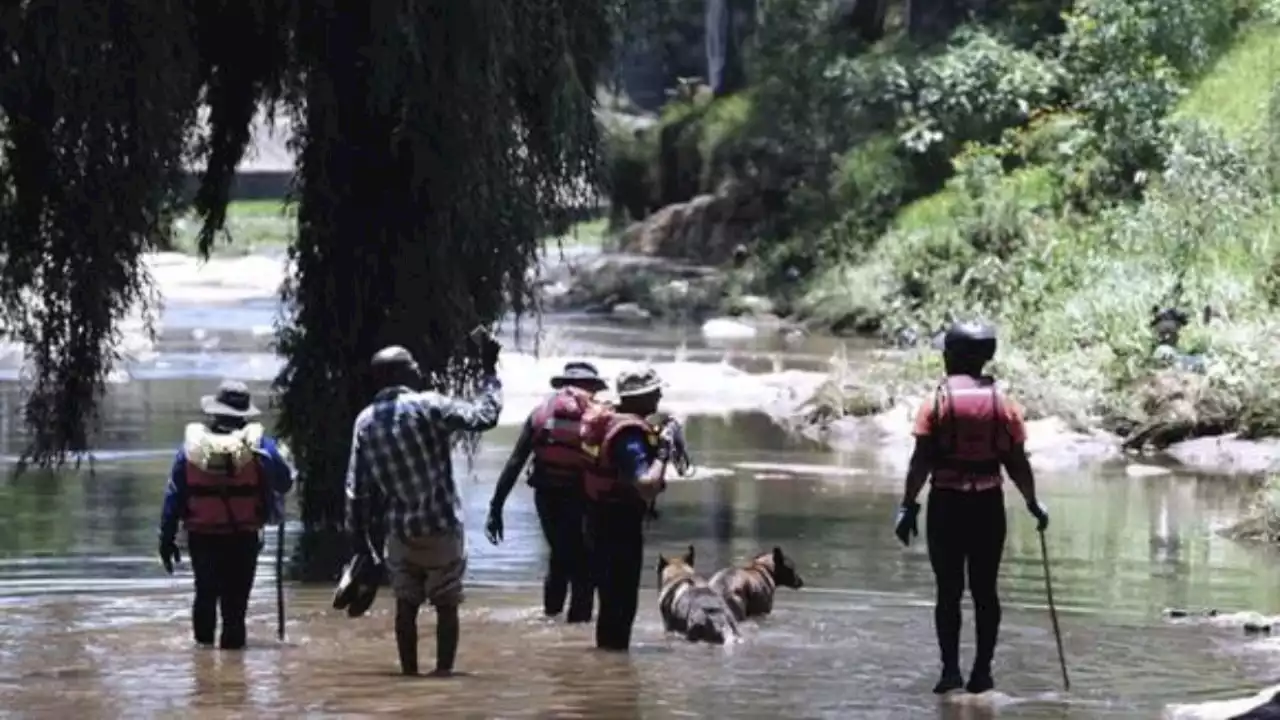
(1053, 613)
(280, 579)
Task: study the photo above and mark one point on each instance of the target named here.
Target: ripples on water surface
(90, 627)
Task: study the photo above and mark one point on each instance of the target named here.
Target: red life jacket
(226, 490)
(558, 457)
(600, 427)
(968, 428)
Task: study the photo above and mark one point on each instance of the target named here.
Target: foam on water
(1220, 709)
(692, 387)
(183, 279)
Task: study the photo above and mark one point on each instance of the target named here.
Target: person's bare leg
(447, 631)
(407, 636)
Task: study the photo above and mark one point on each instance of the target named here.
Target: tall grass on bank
(1072, 294)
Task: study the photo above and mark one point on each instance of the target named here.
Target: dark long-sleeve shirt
(279, 474)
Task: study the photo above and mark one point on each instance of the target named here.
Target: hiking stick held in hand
(280, 579)
(1053, 612)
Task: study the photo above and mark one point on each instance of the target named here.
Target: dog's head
(1167, 324)
(673, 569)
(784, 570)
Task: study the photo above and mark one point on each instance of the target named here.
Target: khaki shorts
(428, 569)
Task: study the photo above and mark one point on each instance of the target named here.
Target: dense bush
(1027, 171)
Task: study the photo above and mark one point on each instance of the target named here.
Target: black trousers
(224, 568)
(966, 533)
(562, 514)
(616, 532)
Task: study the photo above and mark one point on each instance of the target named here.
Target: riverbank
(866, 399)
(1112, 175)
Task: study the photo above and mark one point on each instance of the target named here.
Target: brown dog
(748, 590)
(688, 604)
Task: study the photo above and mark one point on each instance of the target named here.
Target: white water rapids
(187, 283)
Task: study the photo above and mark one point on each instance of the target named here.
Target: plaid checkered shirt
(400, 459)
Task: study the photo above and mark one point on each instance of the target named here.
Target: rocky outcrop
(635, 287)
(704, 230)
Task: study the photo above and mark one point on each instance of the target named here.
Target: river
(91, 628)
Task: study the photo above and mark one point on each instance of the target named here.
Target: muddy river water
(91, 628)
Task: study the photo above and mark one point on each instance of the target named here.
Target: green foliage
(1228, 97)
(250, 226)
(437, 144)
(1072, 295)
(1128, 62)
(971, 91)
(97, 106)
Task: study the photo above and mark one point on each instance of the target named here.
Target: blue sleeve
(630, 455)
(175, 497)
(280, 469)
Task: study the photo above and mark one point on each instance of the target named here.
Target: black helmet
(359, 585)
(970, 339)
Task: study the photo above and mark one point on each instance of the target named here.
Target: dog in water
(749, 589)
(688, 604)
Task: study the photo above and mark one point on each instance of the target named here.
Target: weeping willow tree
(437, 142)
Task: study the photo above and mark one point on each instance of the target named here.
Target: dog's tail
(712, 625)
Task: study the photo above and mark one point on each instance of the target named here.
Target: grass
(252, 226)
(267, 225)
(1233, 96)
(585, 234)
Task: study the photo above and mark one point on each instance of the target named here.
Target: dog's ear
(778, 557)
(662, 562)
(689, 555)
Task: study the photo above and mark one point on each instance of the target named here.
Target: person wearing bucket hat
(966, 432)
(228, 480)
(552, 434)
(628, 469)
(400, 479)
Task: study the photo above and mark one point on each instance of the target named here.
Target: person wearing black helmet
(552, 435)
(965, 433)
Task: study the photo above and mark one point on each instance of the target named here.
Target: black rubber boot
(951, 680)
(980, 681)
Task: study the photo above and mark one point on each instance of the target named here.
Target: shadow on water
(90, 626)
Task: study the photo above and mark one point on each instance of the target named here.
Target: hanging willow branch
(426, 180)
(96, 100)
(437, 140)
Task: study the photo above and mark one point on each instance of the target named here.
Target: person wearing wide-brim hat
(579, 374)
(228, 481)
(552, 436)
(628, 474)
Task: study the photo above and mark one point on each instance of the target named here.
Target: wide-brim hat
(232, 400)
(579, 373)
(640, 381)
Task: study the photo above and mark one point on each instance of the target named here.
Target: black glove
(493, 525)
(904, 525)
(169, 555)
(1041, 514)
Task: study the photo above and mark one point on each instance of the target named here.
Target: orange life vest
(968, 423)
(558, 457)
(226, 490)
(600, 427)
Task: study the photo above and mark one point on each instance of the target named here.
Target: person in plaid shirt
(400, 464)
